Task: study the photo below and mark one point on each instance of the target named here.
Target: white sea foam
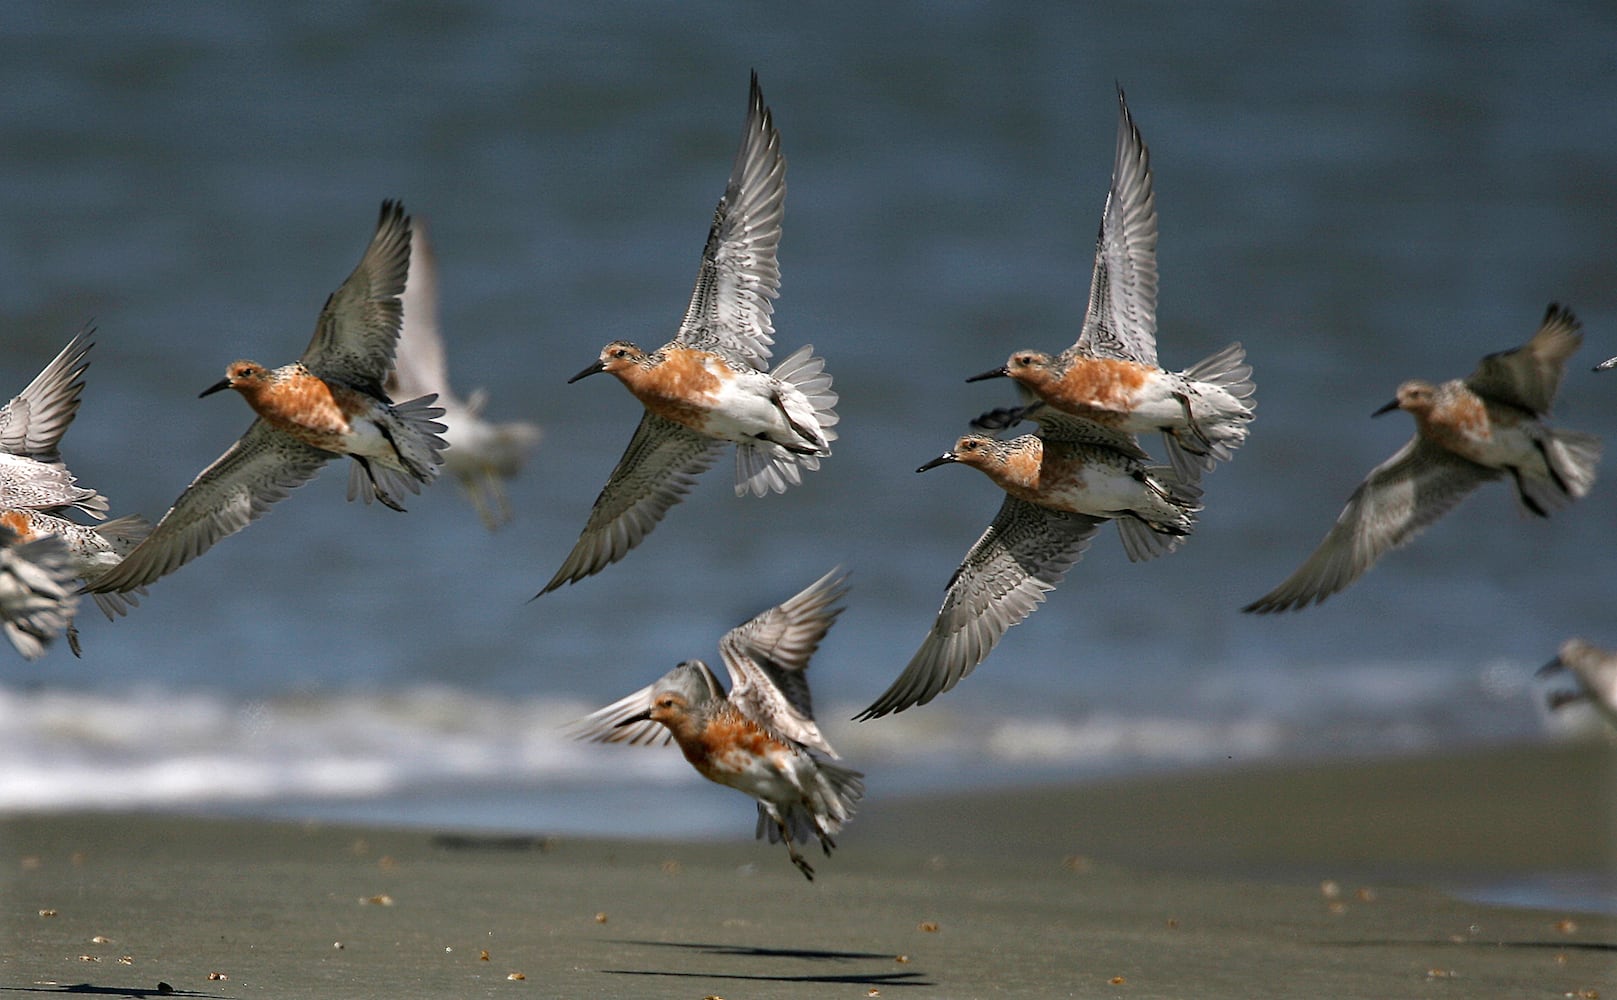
(71, 749)
(426, 747)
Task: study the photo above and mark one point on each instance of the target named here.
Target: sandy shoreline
(1201, 885)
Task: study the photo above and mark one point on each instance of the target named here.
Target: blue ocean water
(1358, 194)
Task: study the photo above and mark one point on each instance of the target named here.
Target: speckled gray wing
(1528, 376)
(767, 658)
(1023, 555)
(26, 483)
(419, 366)
(656, 471)
(1121, 321)
(729, 312)
(32, 424)
(358, 328)
(609, 724)
(230, 494)
(1401, 496)
(1057, 426)
(33, 421)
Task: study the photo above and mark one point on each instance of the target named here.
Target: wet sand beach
(1304, 881)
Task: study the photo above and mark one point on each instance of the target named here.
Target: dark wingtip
(552, 585)
(999, 419)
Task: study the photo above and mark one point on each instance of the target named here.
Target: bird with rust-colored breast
(711, 384)
(1061, 485)
(1111, 375)
(327, 404)
(761, 738)
(1467, 432)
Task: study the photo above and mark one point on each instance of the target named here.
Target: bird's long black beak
(1555, 666)
(943, 459)
(222, 384)
(1000, 372)
(631, 720)
(1386, 409)
(593, 369)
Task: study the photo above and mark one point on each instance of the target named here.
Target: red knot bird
(327, 404)
(1110, 375)
(1467, 432)
(711, 384)
(760, 739)
(1595, 671)
(479, 454)
(1060, 487)
(37, 592)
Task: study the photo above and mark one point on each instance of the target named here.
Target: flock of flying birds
(376, 341)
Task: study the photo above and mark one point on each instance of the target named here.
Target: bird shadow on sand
(86, 989)
(871, 978)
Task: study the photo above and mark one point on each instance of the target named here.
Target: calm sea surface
(1359, 194)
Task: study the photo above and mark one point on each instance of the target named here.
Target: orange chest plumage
(307, 407)
(1036, 468)
(728, 743)
(1100, 383)
(683, 386)
(1460, 420)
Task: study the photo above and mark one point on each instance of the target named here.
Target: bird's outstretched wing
(767, 658)
(1121, 321)
(656, 471)
(32, 423)
(236, 490)
(1528, 376)
(358, 329)
(1023, 555)
(729, 312)
(1400, 497)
